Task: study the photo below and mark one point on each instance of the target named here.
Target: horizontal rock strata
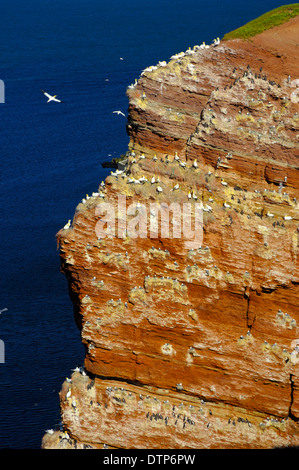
(193, 346)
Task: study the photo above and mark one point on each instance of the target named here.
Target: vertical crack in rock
(247, 297)
(193, 134)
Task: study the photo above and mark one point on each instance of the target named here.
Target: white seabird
(67, 225)
(119, 112)
(204, 46)
(116, 172)
(143, 179)
(51, 98)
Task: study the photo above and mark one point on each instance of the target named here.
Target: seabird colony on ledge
(180, 55)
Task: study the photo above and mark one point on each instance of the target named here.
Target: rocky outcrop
(194, 346)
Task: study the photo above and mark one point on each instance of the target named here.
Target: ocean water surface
(87, 52)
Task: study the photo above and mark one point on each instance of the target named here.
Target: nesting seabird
(142, 179)
(67, 225)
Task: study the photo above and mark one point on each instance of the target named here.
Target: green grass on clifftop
(267, 21)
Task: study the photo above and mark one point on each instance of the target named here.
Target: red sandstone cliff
(195, 348)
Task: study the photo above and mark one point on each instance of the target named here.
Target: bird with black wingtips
(50, 97)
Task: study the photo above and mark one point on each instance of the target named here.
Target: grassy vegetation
(267, 21)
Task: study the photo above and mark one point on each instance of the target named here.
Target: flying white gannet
(119, 112)
(51, 98)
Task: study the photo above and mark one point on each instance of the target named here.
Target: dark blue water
(51, 157)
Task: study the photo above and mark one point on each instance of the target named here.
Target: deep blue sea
(87, 52)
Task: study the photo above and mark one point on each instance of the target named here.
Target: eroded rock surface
(194, 347)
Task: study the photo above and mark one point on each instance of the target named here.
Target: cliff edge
(191, 342)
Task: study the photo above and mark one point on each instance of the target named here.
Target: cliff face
(194, 346)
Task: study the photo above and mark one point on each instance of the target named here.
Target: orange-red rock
(195, 348)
